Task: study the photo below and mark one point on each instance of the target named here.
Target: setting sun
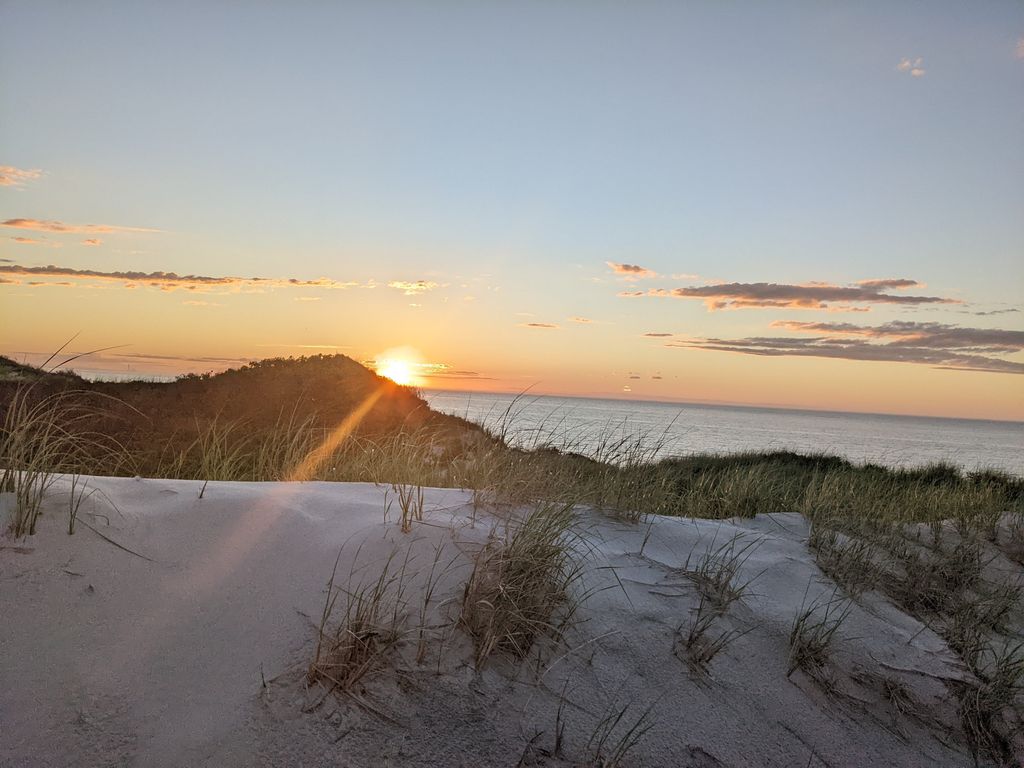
(399, 371)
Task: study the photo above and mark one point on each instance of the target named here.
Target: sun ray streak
(315, 458)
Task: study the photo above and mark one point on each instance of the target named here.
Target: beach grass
(363, 621)
(814, 633)
(521, 585)
(42, 438)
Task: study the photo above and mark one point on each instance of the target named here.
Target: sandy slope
(157, 658)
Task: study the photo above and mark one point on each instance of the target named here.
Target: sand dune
(172, 630)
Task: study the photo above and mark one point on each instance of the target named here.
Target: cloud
(195, 303)
(631, 271)
(17, 177)
(548, 326)
(658, 335)
(92, 241)
(1019, 50)
(813, 295)
(7, 261)
(914, 66)
(994, 312)
(934, 344)
(62, 228)
(906, 333)
(170, 281)
(581, 320)
(182, 358)
(885, 283)
(33, 241)
(413, 288)
(306, 346)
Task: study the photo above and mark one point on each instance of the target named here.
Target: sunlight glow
(399, 371)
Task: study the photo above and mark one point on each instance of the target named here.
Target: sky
(811, 205)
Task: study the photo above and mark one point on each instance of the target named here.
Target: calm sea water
(581, 424)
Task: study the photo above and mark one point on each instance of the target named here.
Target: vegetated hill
(12, 370)
(151, 422)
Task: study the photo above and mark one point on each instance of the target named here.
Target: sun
(399, 371)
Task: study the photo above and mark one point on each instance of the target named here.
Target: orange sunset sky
(803, 205)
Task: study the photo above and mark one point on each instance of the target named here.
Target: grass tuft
(520, 585)
(699, 645)
(813, 635)
(716, 571)
(410, 504)
(984, 705)
(40, 438)
(371, 623)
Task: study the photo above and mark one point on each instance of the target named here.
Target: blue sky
(515, 149)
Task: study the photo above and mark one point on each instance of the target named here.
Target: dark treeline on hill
(282, 419)
(274, 405)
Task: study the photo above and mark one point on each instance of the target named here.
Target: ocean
(680, 429)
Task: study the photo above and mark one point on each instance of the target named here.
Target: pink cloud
(631, 271)
(17, 177)
(62, 228)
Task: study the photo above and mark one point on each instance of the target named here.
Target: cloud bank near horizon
(938, 345)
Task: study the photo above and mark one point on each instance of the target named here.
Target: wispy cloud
(631, 271)
(334, 347)
(20, 240)
(17, 177)
(1019, 50)
(413, 288)
(934, 344)
(92, 241)
(938, 335)
(170, 281)
(890, 283)
(197, 303)
(813, 295)
(658, 335)
(982, 313)
(182, 358)
(544, 326)
(914, 66)
(60, 227)
(581, 320)
(139, 361)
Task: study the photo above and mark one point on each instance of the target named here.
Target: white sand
(107, 658)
